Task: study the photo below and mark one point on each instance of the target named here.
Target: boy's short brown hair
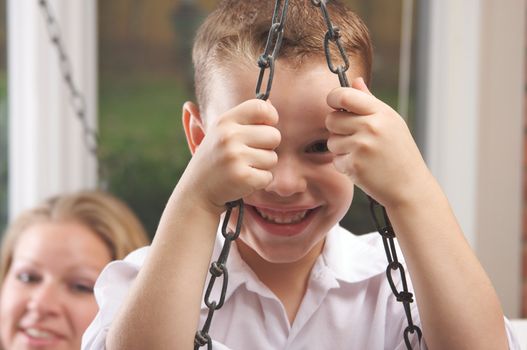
(237, 31)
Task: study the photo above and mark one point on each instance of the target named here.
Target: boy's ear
(193, 125)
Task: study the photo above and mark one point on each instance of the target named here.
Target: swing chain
(77, 99)
(379, 215)
(217, 270)
(333, 36)
(272, 48)
(386, 229)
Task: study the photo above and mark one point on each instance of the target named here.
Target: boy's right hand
(235, 156)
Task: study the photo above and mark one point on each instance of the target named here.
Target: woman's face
(46, 300)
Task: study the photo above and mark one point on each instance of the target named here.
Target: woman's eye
(27, 277)
(318, 147)
(82, 288)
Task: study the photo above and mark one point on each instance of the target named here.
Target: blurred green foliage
(143, 151)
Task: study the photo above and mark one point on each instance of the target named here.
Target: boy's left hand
(373, 146)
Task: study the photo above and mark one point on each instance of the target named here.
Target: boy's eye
(82, 288)
(27, 277)
(318, 147)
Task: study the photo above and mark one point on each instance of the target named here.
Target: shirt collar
(239, 273)
(353, 258)
(346, 258)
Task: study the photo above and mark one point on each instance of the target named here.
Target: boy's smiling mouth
(282, 216)
(283, 222)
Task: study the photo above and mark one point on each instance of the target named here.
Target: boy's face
(307, 196)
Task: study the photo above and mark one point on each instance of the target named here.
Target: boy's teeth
(281, 217)
(37, 333)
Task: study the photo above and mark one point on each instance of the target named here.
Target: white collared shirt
(348, 303)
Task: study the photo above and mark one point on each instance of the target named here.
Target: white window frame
(47, 154)
(473, 137)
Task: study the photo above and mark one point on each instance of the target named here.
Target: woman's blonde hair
(108, 217)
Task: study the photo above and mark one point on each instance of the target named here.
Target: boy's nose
(288, 178)
(45, 299)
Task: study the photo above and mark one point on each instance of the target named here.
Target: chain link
(382, 222)
(272, 48)
(384, 227)
(77, 99)
(333, 36)
(219, 268)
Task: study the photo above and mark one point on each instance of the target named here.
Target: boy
(296, 279)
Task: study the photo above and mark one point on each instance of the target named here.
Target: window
(142, 89)
(141, 93)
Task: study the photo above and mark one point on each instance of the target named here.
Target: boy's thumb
(359, 84)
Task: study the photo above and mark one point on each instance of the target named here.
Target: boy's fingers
(360, 84)
(352, 100)
(263, 159)
(340, 123)
(259, 179)
(342, 164)
(339, 145)
(262, 136)
(255, 112)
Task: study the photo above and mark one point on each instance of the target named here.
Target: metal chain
(382, 222)
(219, 268)
(272, 47)
(77, 99)
(384, 227)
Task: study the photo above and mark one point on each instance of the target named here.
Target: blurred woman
(50, 259)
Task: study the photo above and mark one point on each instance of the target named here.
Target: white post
(500, 147)
(451, 134)
(47, 154)
(474, 127)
